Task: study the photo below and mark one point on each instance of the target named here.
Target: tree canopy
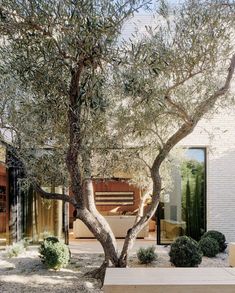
(44, 45)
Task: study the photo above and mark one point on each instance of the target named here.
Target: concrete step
(169, 280)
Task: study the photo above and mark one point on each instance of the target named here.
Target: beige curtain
(44, 217)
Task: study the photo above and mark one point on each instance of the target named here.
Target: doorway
(182, 211)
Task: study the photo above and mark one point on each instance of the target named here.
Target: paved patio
(93, 246)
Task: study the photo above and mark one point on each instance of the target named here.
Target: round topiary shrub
(146, 255)
(218, 236)
(55, 255)
(185, 252)
(209, 246)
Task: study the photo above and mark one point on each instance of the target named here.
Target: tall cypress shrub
(196, 214)
(188, 209)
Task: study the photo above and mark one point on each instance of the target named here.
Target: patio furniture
(119, 225)
(173, 229)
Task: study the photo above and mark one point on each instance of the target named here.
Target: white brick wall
(218, 136)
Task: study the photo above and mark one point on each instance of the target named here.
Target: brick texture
(217, 134)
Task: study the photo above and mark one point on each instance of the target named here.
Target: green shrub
(209, 246)
(146, 255)
(15, 249)
(54, 254)
(218, 236)
(25, 242)
(185, 252)
(52, 239)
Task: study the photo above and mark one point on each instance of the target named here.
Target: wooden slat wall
(113, 186)
(118, 198)
(117, 188)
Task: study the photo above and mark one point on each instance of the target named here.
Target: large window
(182, 211)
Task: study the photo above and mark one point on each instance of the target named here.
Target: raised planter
(169, 280)
(231, 254)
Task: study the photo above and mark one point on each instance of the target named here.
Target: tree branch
(182, 112)
(52, 195)
(199, 112)
(206, 105)
(182, 132)
(182, 81)
(143, 160)
(35, 185)
(29, 24)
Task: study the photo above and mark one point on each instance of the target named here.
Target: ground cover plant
(15, 249)
(146, 255)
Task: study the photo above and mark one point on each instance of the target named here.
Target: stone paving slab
(169, 280)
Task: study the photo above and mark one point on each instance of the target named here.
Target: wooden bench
(169, 280)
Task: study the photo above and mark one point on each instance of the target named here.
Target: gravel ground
(163, 260)
(26, 273)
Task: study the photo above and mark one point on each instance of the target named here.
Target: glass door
(182, 211)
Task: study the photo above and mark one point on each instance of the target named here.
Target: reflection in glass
(193, 193)
(182, 210)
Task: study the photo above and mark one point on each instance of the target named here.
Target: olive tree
(173, 75)
(55, 56)
(60, 62)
